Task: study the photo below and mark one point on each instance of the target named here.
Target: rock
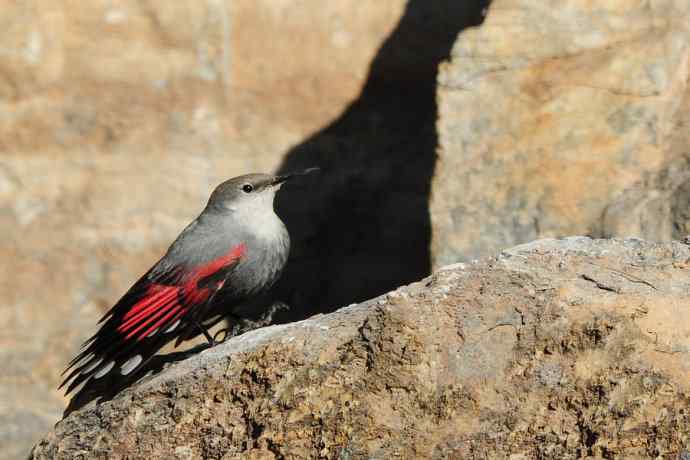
(117, 119)
(562, 349)
(578, 123)
(363, 228)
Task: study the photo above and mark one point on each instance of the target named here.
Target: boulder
(116, 120)
(563, 118)
(561, 349)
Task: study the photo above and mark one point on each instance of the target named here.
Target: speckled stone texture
(563, 118)
(557, 349)
(117, 118)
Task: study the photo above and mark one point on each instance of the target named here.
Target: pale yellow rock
(541, 352)
(548, 113)
(116, 120)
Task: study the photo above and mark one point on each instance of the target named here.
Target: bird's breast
(267, 253)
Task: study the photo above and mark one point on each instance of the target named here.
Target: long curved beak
(280, 179)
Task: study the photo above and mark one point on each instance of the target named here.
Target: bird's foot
(211, 340)
(265, 319)
(243, 325)
(226, 333)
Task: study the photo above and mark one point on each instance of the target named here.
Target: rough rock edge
(361, 350)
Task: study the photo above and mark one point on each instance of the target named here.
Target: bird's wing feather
(155, 310)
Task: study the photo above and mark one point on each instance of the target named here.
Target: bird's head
(249, 192)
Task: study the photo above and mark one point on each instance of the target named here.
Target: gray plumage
(233, 217)
(218, 267)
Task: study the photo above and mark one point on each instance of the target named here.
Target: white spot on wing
(153, 332)
(84, 360)
(174, 325)
(92, 366)
(131, 363)
(104, 370)
(78, 388)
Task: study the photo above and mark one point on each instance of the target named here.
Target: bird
(226, 258)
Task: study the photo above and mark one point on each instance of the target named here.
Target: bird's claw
(243, 325)
(227, 333)
(216, 340)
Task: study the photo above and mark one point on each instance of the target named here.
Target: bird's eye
(247, 188)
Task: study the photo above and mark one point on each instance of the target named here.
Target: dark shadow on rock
(362, 227)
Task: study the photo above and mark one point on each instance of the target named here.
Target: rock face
(117, 119)
(554, 349)
(579, 126)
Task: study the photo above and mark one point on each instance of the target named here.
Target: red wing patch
(129, 335)
(158, 300)
(164, 304)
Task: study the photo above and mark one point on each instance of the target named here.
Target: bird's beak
(280, 179)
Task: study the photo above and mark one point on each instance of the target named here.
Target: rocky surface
(560, 349)
(578, 126)
(117, 119)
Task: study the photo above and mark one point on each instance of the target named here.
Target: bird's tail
(111, 385)
(132, 364)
